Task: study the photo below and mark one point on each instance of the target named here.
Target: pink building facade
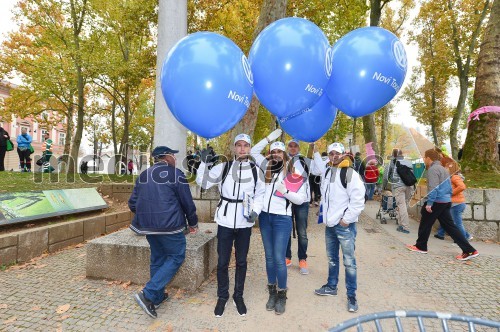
(13, 125)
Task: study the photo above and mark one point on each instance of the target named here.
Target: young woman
(457, 199)
(275, 220)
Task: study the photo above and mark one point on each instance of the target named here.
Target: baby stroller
(387, 206)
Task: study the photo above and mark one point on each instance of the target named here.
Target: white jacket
(297, 164)
(239, 180)
(339, 202)
(272, 203)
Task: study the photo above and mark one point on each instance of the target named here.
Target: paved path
(53, 294)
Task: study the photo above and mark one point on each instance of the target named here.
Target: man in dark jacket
(162, 202)
(4, 136)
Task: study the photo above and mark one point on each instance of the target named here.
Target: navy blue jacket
(162, 201)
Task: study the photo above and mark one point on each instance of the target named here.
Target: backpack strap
(343, 175)
(225, 171)
(304, 164)
(254, 174)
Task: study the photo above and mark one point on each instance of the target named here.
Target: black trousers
(3, 150)
(24, 158)
(441, 212)
(225, 238)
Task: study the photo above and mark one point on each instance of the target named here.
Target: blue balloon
(312, 123)
(368, 69)
(207, 83)
(291, 65)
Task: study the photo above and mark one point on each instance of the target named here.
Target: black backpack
(343, 175)
(406, 174)
(227, 166)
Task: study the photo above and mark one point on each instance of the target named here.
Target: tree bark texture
(481, 146)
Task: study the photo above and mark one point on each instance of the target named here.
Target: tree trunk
(463, 69)
(69, 132)
(270, 11)
(126, 124)
(481, 147)
(455, 122)
(113, 126)
(354, 120)
(434, 110)
(369, 130)
(383, 131)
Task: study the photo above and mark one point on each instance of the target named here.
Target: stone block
(467, 212)
(106, 189)
(492, 204)
(8, 241)
(122, 197)
(8, 255)
(125, 256)
(474, 196)
(64, 231)
(203, 210)
(117, 218)
(32, 243)
(123, 188)
(212, 193)
(195, 190)
(483, 230)
(94, 227)
(115, 227)
(478, 211)
(66, 243)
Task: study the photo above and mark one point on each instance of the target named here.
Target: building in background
(13, 125)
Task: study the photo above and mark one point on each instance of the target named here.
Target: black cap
(162, 151)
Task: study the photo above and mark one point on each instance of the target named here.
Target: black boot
(271, 303)
(279, 308)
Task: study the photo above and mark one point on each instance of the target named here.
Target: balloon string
(485, 109)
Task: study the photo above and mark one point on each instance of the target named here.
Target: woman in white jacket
(275, 220)
(236, 180)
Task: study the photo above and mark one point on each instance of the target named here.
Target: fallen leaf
(208, 231)
(10, 320)
(62, 309)
(39, 266)
(79, 245)
(4, 306)
(125, 285)
(82, 255)
(179, 294)
(36, 308)
(325, 325)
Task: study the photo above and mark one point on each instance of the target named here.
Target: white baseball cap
(244, 138)
(277, 145)
(338, 147)
(296, 141)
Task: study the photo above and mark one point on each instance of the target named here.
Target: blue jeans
(370, 190)
(341, 237)
(300, 213)
(225, 238)
(167, 255)
(456, 214)
(275, 230)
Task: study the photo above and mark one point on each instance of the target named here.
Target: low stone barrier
(125, 256)
(482, 212)
(21, 246)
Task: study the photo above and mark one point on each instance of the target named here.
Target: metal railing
(420, 316)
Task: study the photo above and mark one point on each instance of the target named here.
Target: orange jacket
(458, 186)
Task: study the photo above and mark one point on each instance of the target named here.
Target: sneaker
(219, 307)
(402, 230)
(303, 267)
(352, 304)
(145, 304)
(165, 298)
(240, 306)
(288, 262)
(326, 290)
(467, 255)
(437, 236)
(414, 248)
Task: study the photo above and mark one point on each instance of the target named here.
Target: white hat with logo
(244, 138)
(338, 147)
(277, 145)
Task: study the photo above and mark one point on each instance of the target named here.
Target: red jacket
(371, 174)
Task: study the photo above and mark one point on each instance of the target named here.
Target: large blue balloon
(290, 66)
(207, 83)
(311, 124)
(368, 69)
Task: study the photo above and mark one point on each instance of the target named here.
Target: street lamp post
(349, 137)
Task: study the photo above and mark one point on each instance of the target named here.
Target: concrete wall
(24, 245)
(482, 212)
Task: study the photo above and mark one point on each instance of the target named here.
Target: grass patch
(15, 181)
(482, 179)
